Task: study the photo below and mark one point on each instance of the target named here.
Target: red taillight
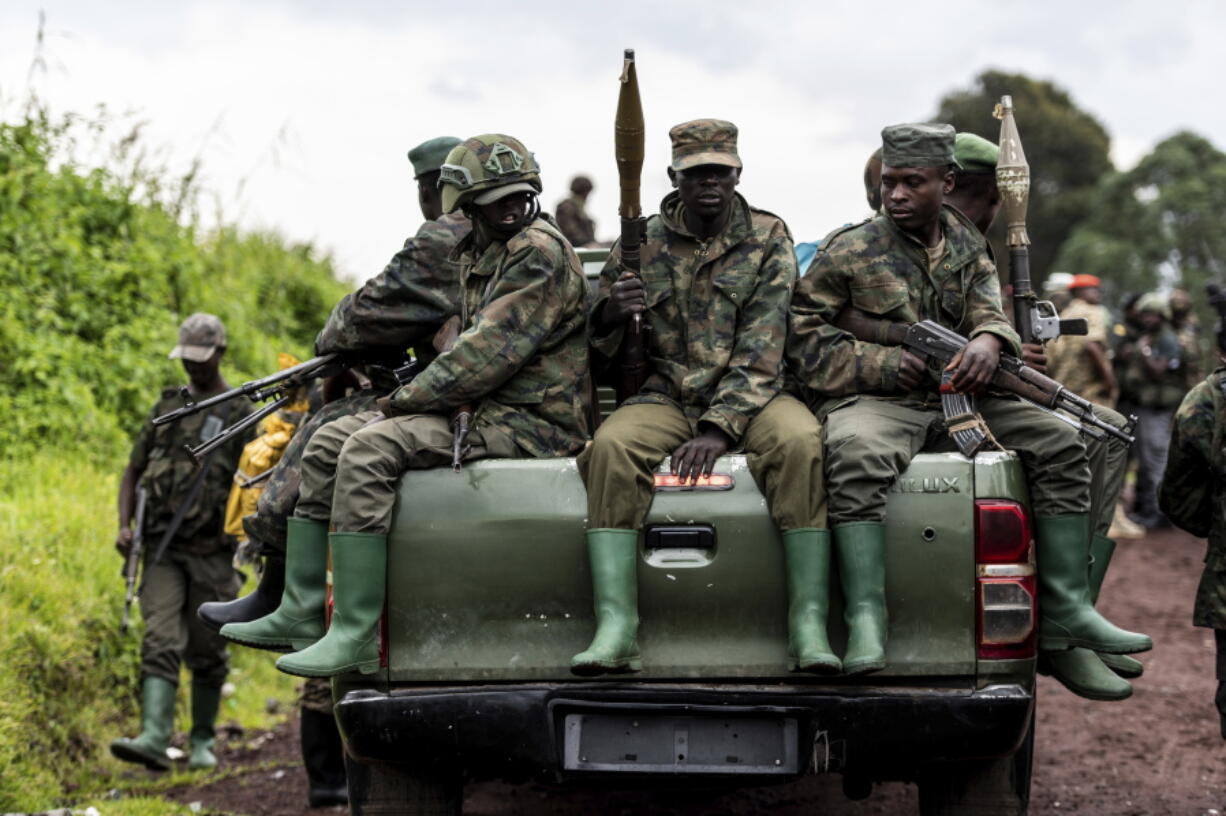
(668, 482)
(1005, 606)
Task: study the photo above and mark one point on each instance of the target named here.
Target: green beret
(429, 156)
(918, 145)
(975, 153)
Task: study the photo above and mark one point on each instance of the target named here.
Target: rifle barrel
(243, 424)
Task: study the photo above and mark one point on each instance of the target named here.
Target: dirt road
(1157, 754)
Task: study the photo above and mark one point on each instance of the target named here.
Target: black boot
(261, 601)
(324, 758)
(1219, 699)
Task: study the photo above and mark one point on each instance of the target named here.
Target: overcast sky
(302, 111)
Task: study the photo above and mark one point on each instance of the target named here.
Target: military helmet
(486, 168)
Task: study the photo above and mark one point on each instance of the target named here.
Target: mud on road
(1157, 754)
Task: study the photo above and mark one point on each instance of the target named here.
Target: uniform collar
(962, 239)
(738, 228)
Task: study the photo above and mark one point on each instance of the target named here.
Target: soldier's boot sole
(1126, 667)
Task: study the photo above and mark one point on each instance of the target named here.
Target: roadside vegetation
(98, 265)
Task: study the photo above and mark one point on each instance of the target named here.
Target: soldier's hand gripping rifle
(462, 415)
(1036, 320)
(629, 144)
(932, 341)
(131, 565)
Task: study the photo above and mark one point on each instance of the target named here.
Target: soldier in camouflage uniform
(572, 215)
(976, 196)
(521, 357)
(1153, 381)
(1193, 496)
(922, 259)
(1082, 362)
(188, 556)
(717, 275)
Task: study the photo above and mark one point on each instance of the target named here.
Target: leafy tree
(1066, 147)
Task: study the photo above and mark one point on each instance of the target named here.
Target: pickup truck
(489, 596)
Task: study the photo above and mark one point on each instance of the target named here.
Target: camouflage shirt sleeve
(984, 311)
(1186, 492)
(535, 291)
(606, 344)
(755, 369)
(826, 359)
(404, 304)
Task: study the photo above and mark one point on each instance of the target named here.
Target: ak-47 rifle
(461, 415)
(279, 387)
(629, 145)
(131, 566)
(932, 341)
(1036, 320)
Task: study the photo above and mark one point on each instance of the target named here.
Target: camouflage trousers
(266, 527)
(171, 592)
(782, 445)
(317, 695)
(870, 442)
(351, 466)
(1108, 460)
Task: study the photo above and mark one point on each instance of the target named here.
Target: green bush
(97, 269)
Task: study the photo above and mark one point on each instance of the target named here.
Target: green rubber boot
(1066, 617)
(1101, 550)
(614, 558)
(359, 586)
(861, 554)
(1082, 672)
(206, 700)
(807, 553)
(157, 717)
(299, 620)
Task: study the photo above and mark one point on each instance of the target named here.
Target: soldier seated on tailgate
(923, 260)
(713, 292)
(521, 360)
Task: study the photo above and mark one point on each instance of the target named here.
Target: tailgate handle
(680, 536)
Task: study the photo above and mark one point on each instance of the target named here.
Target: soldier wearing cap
(1081, 362)
(187, 557)
(573, 219)
(921, 259)
(975, 194)
(521, 359)
(713, 291)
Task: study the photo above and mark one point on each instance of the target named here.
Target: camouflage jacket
(1193, 490)
(167, 472)
(408, 301)
(522, 354)
(575, 223)
(716, 314)
(880, 270)
(1139, 386)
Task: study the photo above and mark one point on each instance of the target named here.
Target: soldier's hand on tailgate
(1035, 356)
(974, 366)
(697, 457)
(626, 297)
(123, 541)
(910, 371)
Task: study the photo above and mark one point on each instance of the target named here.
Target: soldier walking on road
(716, 278)
(188, 560)
(1193, 496)
(572, 215)
(521, 358)
(924, 260)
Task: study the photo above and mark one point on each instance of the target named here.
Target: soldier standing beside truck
(924, 260)
(716, 277)
(521, 357)
(188, 556)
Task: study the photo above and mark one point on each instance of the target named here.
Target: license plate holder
(680, 743)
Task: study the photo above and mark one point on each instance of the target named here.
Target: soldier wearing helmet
(521, 359)
(713, 291)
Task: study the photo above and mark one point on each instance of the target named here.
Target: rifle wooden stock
(629, 146)
(461, 415)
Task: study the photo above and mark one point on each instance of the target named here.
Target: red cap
(1084, 282)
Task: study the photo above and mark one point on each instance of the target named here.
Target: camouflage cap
(975, 154)
(918, 145)
(704, 141)
(199, 336)
(429, 156)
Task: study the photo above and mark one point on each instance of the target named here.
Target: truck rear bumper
(518, 731)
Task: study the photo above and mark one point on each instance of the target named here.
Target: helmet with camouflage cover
(486, 168)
